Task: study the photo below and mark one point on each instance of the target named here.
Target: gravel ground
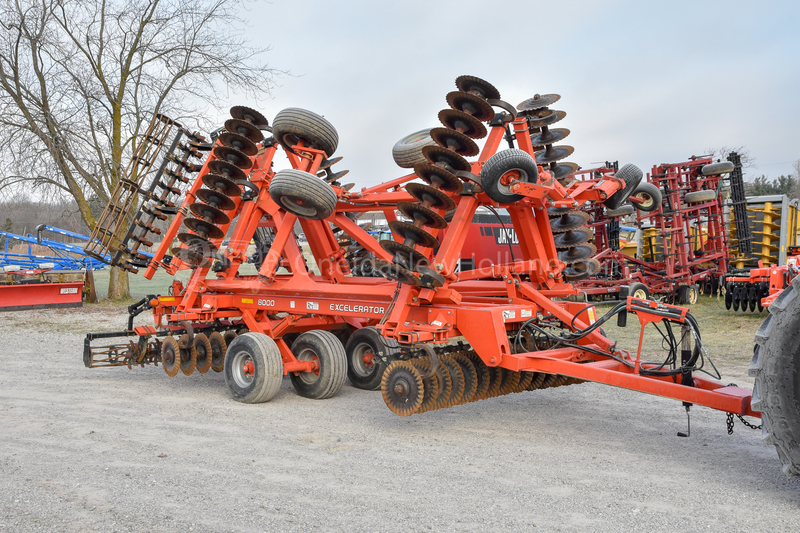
(120, 450)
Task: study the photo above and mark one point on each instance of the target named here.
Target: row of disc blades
(463, 122)
(222, 184)
(571, 236)
(459, 378)
(543, 137)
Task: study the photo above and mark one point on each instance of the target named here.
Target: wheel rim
(362, 360)
(647, 199)
(521, 175)
(693, 294)
(242, 369)
(308, 355)
(640, 293)
(298, 206)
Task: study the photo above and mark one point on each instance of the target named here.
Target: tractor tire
(639, 290)
(407, 152)
(620, 211)
(723, 167)
(259, 382)
(499, 164)
(294, 124)
(303, 194)
(699, 196)
(651, 196)
(728, 295)
(632, 176)
(324, 347)
(776, 369)
(363, 374)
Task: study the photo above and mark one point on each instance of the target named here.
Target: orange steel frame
(481, 305)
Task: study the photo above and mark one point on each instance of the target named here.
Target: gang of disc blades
(432, 196)
(553, 153)
(538, 101)
(423, 215)
(462, 123)
(252, 116)
(221, 184)
(454, 141)
(239, 142)
(215, 199)
(438, 177)
(245, 129)
(470, 104)
(414, 234)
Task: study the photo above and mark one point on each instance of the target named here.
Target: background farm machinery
(427, 334)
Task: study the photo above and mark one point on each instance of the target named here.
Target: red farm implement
(428, 335)
(758, 287)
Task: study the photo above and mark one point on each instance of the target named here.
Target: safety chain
(729, 423)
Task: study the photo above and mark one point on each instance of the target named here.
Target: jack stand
(688, 433)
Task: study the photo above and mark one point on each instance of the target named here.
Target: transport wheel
(294, 124)
(632, 176)
(303, 194)
(776, 369)
(512, 160)
(170, 356)
(202, 347)
(324, 348)
(715, 285)
(218, 348)
(699, 196)
(253, 368)
(619, 212)
(650, 194)
(737, 292)
(639, 290)
(682, 295)
(723, 167)
(407, 152)
(188, 356)
(364, 368)
(728, 295)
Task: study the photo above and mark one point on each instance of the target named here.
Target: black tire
(407, 152)
(292, 124)
(776, 369)
(632, 176)
(365, 341)
(328, 350)
(728, 295)
(699, 196)
(682, 295)
(640, 289)
(620, 211)
(303, 194)
(499, 164)
(723, 167)
(650, 194)
(263, 383)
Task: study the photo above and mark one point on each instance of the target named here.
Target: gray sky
(642, 82)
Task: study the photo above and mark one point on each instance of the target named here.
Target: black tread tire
(635, 287)
(499, 164)
(682, 295)
(407, 152)
(267, 364)
(294, 123)
(776, 369)
(632, 176)
(728, 295)
(291, 185)
(360, 376)
(699, 196)
(650, 193)
(723, 167)
(620, 211)
(332, 364)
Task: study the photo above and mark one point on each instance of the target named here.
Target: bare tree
(80, 80)
(721, 154)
